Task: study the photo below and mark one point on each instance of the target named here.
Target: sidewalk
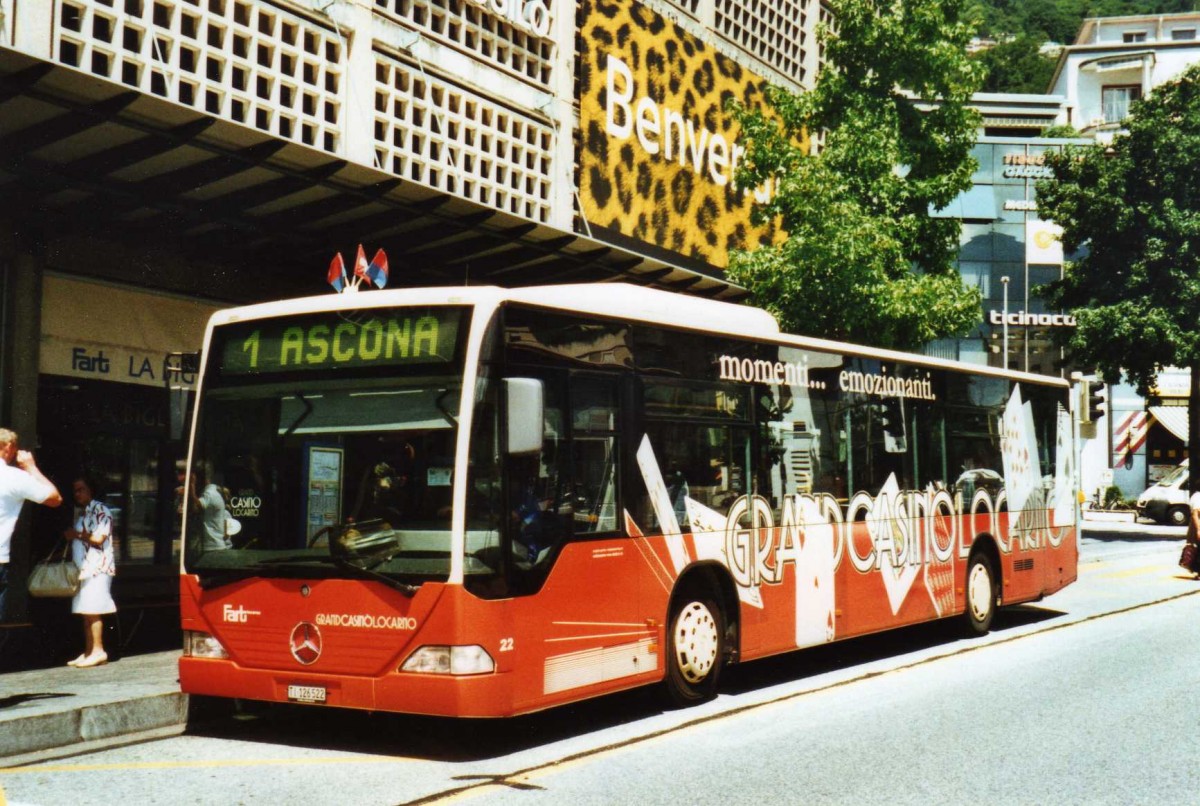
(47, 713)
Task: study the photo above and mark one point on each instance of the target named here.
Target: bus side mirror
(524, 402)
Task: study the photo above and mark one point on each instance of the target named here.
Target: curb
(41, 737)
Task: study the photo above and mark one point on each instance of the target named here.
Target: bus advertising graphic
(554, 493)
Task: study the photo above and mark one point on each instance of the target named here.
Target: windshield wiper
(405, 588)
(297, 559)
(217, 579)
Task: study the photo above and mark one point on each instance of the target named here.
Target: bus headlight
(460, 660)
(202, 645)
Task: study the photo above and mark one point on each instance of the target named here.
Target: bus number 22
(506, 644)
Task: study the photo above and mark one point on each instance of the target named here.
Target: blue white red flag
(377, 272)
(337, 273)
(360, 266)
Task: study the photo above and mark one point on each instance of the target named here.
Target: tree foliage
(863, 259)
(1059, 20)
(1136, 208)
(1016, 65)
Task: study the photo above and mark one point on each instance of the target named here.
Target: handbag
(1188, 557)
(54, 578)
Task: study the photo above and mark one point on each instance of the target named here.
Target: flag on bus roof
(360, 266)
(337, 273)
(377, 272)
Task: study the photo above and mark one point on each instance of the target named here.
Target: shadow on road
(1133, 539)
(458, 740)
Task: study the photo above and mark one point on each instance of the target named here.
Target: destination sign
(376, 338)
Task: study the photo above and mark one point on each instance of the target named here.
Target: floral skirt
(95, 596)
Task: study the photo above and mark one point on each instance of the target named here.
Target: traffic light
(895, 431)
(1097, 401)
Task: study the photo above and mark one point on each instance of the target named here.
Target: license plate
(306, 693)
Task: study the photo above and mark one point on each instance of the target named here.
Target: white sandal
(95, 659)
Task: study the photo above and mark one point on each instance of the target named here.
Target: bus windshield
(330, 469)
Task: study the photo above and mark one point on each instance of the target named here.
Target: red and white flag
(360, 266)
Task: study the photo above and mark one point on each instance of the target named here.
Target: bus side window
(592, 502)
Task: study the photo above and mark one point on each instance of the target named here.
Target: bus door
(568, 560)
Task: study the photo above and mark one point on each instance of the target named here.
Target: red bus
(484, 502)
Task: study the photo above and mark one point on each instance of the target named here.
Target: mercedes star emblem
(306, 643)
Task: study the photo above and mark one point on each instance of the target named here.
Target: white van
(1167, 501)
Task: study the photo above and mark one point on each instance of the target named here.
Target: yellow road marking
(1136, 572)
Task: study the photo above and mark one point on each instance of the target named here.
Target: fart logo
(237, 615)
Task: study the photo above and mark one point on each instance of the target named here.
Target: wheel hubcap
(696, 642)
(979, 592)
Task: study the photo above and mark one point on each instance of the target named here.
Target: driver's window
(536, 487)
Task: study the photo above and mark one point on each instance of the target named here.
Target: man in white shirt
(18, 484)
(209, 506)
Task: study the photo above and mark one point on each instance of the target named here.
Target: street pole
(1004, 282)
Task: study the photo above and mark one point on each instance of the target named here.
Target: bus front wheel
(695, 649)
(981, 594)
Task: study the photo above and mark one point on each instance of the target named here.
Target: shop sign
(109, 362)
(1026, 166)
(1021, 205)
(1043, 242)
(1023, 319)
(532, 16)
(111, 333)
(1172, 383)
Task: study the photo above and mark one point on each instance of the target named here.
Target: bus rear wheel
(695, 649)
(981, 594)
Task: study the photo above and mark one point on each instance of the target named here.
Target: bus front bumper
(482, 695)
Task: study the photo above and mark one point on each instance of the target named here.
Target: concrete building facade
(160, 159)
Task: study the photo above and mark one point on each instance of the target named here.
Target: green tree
(863, 259)
(1135, 208)
(1016, 65)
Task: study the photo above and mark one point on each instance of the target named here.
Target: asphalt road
(1080, 699)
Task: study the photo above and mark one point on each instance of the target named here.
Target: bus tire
(695, 648)
(982, 593)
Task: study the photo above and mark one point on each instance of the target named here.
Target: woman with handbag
(92, 549)
(1189, 558)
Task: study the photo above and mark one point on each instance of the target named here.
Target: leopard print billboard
(657, 150)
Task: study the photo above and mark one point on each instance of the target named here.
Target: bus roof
(618, 300)
(615, 300)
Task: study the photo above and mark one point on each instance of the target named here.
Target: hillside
(1059, 20)
(1023, 26)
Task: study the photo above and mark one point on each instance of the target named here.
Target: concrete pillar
(31, 27)
(561, 110)
(354, 21)
(21, 266)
